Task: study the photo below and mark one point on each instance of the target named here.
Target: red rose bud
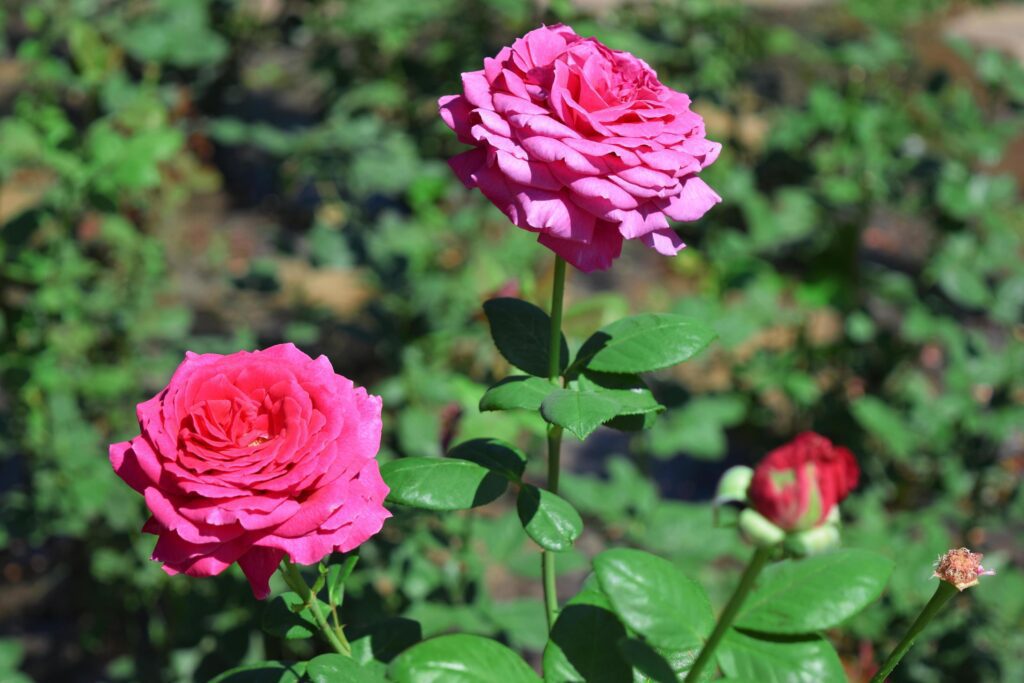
(797, 485)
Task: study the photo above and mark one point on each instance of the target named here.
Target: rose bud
(582, 145)
(797, 486)
(252, 457)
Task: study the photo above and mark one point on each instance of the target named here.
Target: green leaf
(12, 653)
(461, 658)
(583, 644)
(384, 640)
(779, 659)
(518, 392)
(263, 672)
(801, 596)
(441, 483)
(648, 663)
(337, 575)
(644, 343)
(628, 390)
(548, 519)
(522, 331)
(581, 412)
(632, 423)
(331, 668)
(281, 619)
(654, 599)
(496, 455)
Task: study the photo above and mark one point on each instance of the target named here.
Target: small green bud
(732, 487)
(813, 541)
(758, 530)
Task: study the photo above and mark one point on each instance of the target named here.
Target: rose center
(226, 426)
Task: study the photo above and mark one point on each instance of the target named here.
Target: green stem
(547, 558)
(942, 595)
(294, 579)
(754, 567)
(339, 632)
(555, 342)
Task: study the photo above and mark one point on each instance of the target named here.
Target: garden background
(223, 174)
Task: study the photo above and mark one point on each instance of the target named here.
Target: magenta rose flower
(253, 456)
(581, 144)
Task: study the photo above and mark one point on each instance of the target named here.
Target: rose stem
(294, 579)
(547, 558)
(754, 567)
(942, 595)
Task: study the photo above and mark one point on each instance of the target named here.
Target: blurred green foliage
(212, 174)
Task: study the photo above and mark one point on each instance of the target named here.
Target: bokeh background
(223, 174)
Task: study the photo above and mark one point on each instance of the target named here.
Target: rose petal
(665, 242)
(693, 201)
(259, 564)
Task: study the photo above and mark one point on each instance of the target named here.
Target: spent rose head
(961, 568)
(254, 456)
(797, 485)
(581, 144)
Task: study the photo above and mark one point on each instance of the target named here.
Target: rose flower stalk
(793, 493)
(581, 144)
(253, 457)
(957, 570)
(584, 146)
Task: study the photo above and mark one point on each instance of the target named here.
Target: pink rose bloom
(253, 456)
(581, 144)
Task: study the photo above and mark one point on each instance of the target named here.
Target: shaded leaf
(648, 662)
(494, 454)
(522, 331)
(384, 640)
(632, 423)
(263, 672)
(583, 645)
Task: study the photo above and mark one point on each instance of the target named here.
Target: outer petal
(557, 215)
(693, 201)
(598, 254)
(477, 89)
(259, 564)
(467, 165)
(665, 242)
(455, 111)
(136, 463)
